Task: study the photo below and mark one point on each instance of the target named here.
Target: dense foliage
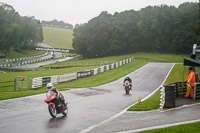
(158, 29)
(56, 23)
(17, 31)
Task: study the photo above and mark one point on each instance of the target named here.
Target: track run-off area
(87, 106)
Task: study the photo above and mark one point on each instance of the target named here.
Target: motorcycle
(127, 87)
(55, 106)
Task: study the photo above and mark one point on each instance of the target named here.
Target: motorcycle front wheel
(52, 111)
(65, 112)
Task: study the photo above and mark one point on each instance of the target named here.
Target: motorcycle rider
(129, 80)
(50, 87)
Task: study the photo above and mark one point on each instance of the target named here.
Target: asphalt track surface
(39, 64)
(131, 122)
(87, 106)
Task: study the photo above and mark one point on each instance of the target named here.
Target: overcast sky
(80, 11)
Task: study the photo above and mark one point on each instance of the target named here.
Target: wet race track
(87, 106)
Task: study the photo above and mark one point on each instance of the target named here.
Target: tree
(16, 31)
(157, 29)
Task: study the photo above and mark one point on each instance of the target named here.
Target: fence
(6, 84)
(180, 90)
(22, 83)
(42, 81)
(23, 61)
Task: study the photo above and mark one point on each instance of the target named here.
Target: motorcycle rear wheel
(127, 90)
(52, 111)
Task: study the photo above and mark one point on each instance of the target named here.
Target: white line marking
(162, 126)
(117, 115)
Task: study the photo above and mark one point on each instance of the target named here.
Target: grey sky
(80, 11)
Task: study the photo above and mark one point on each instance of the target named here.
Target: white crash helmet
(49, 86)
(127, 76)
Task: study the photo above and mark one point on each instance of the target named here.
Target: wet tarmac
(87, 106)
(140, 121)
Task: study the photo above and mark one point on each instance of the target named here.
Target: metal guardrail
(42, 81)
(22, 61)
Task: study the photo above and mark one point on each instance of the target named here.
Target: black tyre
(52, 111)
(66, 110)
(170, 98)
(127, 90)
(169, 105)
(170, 93)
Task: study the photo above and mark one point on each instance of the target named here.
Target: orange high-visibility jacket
(191, 78)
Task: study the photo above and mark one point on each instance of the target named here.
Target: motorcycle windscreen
(126, 82)
(49, 93)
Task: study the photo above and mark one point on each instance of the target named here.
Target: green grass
(58, 37)
(105, 77)
(6, 93)
(13, 54)
(153, 102)
(149, 104)
(186, 128)
(160, 57)
(106, 60)
(176, 74)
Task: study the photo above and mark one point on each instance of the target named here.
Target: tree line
(56, 23)
(157, 29)
(17, 31)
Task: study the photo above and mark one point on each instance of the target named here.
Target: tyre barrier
(170, 96)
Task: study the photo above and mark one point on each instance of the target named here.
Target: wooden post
(183, 75)
(15, 84)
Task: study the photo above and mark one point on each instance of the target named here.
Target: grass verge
(149, 104)
(103, 78)
(27, 53)
(100, 79)
(186, 128)
(153, 102)
(58, 37)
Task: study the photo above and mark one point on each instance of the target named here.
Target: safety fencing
(42, 81)
(197, 91)
(6, 84)
(178, 89)
(22, 83)
(23, 61)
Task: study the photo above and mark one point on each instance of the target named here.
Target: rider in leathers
(54, 89)
(128, 79)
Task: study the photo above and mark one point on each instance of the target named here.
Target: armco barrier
(66, 77)
(20, 61)
(42, 81)
(54, 79)
(37, 82)
(45, 80)
(96, 71)
(83, 74)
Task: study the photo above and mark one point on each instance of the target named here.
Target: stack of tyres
(170, 96)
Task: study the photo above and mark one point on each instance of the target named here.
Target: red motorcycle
(55, 106)
(127, 87)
